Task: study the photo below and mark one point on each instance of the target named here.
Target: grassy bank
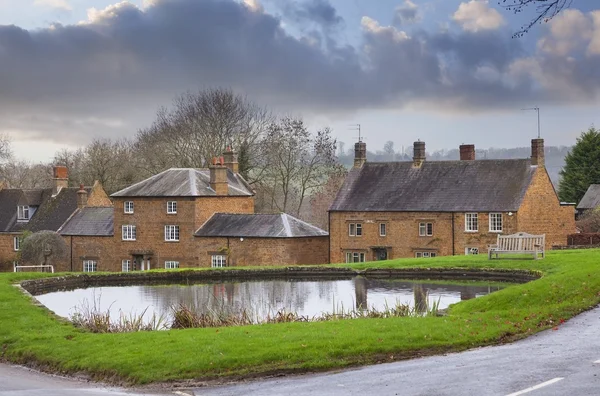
(32, 335)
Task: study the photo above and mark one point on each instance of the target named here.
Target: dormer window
(23, 213)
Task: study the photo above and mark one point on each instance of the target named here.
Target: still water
(260, 298)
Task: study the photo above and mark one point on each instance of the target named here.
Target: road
(555, 362)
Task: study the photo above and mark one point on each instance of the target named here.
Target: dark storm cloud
(109, 74)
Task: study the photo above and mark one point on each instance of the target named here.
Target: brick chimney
(360, 154)
(419, 154)
(61, 178)
(537, 152)
(82, 197)
(231, 160)
(218, 176)
(467, 152)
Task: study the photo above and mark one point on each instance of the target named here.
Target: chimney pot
(419, 154)
(360, 154)
(467, 152)
(537, 152)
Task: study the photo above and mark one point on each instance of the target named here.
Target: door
(381, 254)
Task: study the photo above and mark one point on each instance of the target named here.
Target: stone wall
(542, 213)
(264, 251)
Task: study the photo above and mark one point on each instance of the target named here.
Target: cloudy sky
(443, 71)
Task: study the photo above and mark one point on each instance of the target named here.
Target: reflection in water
(261, 298)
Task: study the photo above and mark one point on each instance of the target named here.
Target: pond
(260, 298)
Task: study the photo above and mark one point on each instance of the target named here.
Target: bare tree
(23, 174)
(296, 163)
(5, 152)
(201, 125)
(321, 200)
(43, 248)
(546, 10)
(589, 222)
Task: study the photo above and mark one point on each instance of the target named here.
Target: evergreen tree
(582, 167)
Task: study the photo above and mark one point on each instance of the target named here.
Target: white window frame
(495, 220)
(90, 266)
(424, 229)
(382, 229)
(128, 207)
(125, 265)
(218, 261)
(23, 213)
(359, 229)
(172, 233)
(470, 220)
(351, 229)
(171, 264)
(128, 232)
(17, 243)
(425, 254)
(172, 207)
(355, 257)
(471, 250)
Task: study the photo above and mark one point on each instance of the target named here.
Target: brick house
(439, 208)
(590, 200)
(155, 219)
(260, 239)
(41, 209)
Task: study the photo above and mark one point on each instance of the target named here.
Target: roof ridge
(286, 224)
(192, 179)
(140, 182)
(306, 223)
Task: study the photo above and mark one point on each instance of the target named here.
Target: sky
(446, 72)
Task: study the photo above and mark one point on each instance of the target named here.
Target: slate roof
(90, 221)
(51, 211)
(184, 182)
(591, 199)
(258, 226)
(438, 186)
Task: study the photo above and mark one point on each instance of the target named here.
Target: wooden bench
(519, 243)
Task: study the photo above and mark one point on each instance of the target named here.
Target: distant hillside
(555, 156)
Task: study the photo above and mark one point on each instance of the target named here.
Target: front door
(381, 254)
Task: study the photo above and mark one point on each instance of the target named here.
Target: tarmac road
(555, 362)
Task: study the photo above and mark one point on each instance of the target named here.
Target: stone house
(590, 200)
(438, 208)
(260, 239)
(40, 210)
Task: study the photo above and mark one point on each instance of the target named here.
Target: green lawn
(570, 284)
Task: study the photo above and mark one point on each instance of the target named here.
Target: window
(171, 264)
(355, 257)
(355, 229)
(495, 222)
(358, 229)
(172, 233)
(90, 265)
(471, 224)
(425, 254)
(125, 265)
(218, 261)
(129, 232)
(23, 212)
(128, 207)
(382, 229)
(17, 243)
(471, 250)
(172, 207)
(425, 229)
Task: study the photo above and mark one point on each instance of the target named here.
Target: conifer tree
(582, 167)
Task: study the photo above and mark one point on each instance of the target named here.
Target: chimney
(537, 152)
(467, 152)
(61, 178)
(419, 154)
(3, 185)
(82, 197)
(231, 160)
(360, 154)
(218, 176)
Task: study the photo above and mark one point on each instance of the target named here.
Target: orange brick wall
(100, 249)
(7, 252)
(98, 197)
(207, 206)
(541, 212)
(264, 251)
(403, 240)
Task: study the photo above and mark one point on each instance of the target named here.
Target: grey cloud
(108, 76)
(407, 13)
(319, 12)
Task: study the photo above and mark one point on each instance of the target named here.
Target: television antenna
(356, 127)
(537, 109)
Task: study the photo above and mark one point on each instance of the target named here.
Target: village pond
(308, 298)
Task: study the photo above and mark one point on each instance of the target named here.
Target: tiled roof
(9, 200)
(437, 186)
(591, 199)
(90, 221)
(258, 226)
(184, 182)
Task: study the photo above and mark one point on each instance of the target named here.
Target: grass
(32, 335)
